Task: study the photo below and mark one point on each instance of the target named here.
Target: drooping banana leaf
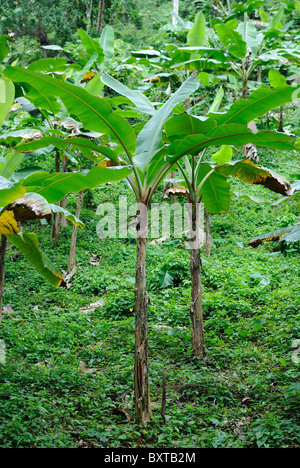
(30, 207)
(276, 235)
(28, 244)
(34, 206)
(249, 172)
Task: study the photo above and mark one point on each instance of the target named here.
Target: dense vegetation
(68, 376)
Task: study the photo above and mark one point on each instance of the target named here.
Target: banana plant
(139, 152)
(215, 192)
(238, 49)
(207, 182)
(151, 158)
(250, 48)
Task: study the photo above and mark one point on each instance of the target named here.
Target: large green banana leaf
(235, 135)
(94, 113)
(149, 139)
(232, 40)
(136, 97)
(54, 187)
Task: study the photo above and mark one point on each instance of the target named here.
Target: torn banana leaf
(249, 172)
(272, 236)
(30, 207)
(34, 206)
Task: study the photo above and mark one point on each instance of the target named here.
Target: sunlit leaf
(9, 191)
(224, 155)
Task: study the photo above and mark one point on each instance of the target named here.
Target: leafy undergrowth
(68, 376)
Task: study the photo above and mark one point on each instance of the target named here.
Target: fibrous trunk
(72, 254)
(141, 371)
(63, 202)
(207, 231)
(198, 342)
(100, 16)
(3, 248)
(56, 217)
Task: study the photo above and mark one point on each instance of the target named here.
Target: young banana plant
(151, 157)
